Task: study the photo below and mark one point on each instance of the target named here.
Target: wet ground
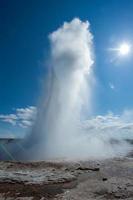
(88, 180)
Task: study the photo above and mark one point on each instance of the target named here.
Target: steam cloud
(59, 131)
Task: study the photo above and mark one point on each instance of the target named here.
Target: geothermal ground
(88, 180)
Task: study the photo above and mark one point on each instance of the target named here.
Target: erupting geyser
(58, 131)
(71, 60)
(71, 57)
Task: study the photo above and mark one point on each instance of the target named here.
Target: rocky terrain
(86, 180)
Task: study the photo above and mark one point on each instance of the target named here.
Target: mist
(60, 130)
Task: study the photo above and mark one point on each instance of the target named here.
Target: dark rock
(104, 179)
(88, 168)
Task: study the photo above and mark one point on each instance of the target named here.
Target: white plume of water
(58, 131)
(72, 62)
(71, 55)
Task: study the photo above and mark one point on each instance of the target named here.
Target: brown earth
(86, 180)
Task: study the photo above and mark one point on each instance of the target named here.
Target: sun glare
(124, 49)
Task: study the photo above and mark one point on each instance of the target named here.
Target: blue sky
(25, 26)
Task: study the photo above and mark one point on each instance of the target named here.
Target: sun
(124, 49)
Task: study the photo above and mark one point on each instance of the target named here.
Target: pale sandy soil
(88, 180)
